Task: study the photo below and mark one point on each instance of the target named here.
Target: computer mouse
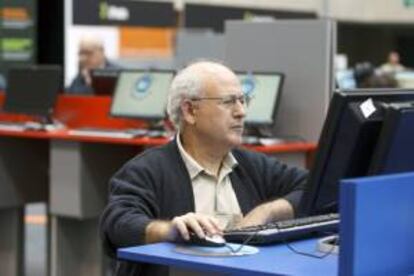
(210, 241)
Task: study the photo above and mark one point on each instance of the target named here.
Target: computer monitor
(33, 90)
(104, 81)
(405, 79)
(345, 79)
(346, 145)
(265, 88)
(394, 152)
(141, 94)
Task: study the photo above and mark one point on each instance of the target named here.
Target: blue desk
(271, 260)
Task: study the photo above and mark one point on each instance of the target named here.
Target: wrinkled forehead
(222, 83)
(217, 78)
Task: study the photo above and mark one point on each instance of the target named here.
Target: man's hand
(275, 210)
(179, 227)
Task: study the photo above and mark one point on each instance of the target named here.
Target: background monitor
(345, 79)
(266, 90)
(405, 79)
(346, 145)
(33, 90)
(104, 81)
(141, 94)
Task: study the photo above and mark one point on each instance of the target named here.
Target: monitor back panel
(33, 90)
(104, 81)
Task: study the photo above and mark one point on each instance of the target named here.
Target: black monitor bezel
(329, 129)
(52, 96)
(150, 118)
(278, 98)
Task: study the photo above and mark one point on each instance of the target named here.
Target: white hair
(91, 41)
(187, 84)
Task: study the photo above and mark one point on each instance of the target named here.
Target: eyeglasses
(228, 101)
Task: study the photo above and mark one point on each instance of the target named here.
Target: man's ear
(189, 110)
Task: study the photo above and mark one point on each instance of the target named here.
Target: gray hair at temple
(188, 83)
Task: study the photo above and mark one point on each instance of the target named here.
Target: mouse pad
(223, 251)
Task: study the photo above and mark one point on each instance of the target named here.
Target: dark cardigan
(156, 185)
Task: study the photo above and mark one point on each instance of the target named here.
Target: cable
(286, 243)
(312, 255)
(244, 243)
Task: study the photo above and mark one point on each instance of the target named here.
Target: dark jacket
(156, 185)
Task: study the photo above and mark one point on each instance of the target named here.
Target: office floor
(35, 240)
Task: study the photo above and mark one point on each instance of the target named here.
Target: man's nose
(240, 109)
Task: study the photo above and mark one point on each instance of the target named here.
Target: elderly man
(200, 181)
(91, 56)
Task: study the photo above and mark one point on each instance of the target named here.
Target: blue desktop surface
(271, 260)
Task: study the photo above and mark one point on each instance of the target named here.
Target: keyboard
(285, 230)
(102, 132)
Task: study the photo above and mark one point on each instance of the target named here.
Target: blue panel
(377, 225)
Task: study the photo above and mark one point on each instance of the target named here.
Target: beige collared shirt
(213, 195)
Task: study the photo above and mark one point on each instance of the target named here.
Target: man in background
(91, 56)
(393, 64)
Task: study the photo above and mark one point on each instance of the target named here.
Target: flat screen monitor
(141, 94)
(394, 152)
(104, 81)
(405, 79)
(346, 145)
(33, 90)
(345, 79)
(265, 88)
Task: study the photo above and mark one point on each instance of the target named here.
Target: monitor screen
(265, 90)
(405, 79)
(394, 151)
(141, 94)
(346, 145)
(345, 79)
(33, 90)
(104, 81)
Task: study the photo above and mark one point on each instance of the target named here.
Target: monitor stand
(258, 131)
(157, 129)
(255, 135)
(154, 129)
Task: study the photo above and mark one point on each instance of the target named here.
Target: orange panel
(14, 13)
(141, 41)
